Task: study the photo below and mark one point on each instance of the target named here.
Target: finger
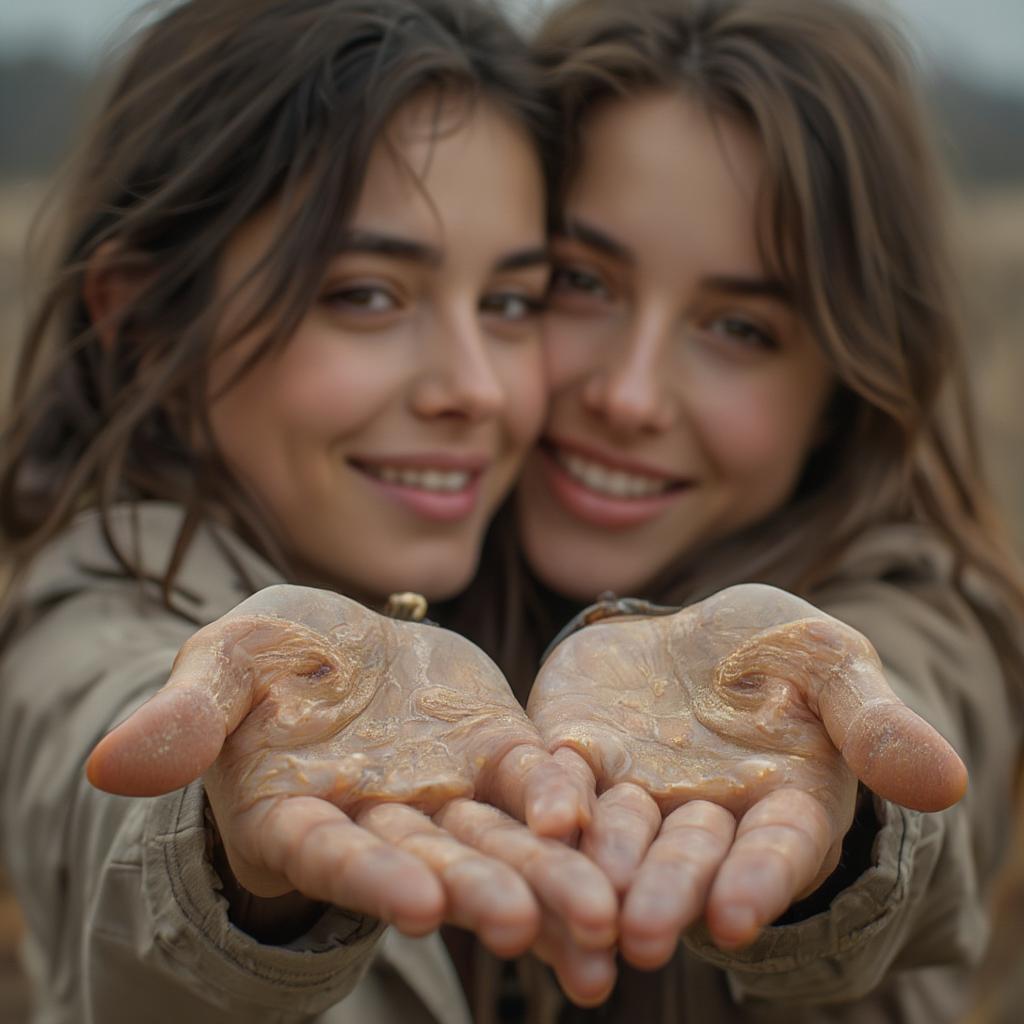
(326, 856)
(626, 820)
(534, 787)
(566, 883)
(178, 733)
(484, 896)
(892, 750)
(672, 885)
(587, 976)
(784, 844)
(577, 766)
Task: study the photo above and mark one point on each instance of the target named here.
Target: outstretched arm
(726, 741)
(369, 763)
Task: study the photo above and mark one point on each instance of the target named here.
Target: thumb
(889, 747)
(897, 754)
(179, 732)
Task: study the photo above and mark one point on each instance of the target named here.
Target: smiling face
(685, 391)
(384, 434)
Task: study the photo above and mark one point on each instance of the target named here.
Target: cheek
(573, 347)
(761, 435)
(522, 372)
(324, 387)
(317, 381)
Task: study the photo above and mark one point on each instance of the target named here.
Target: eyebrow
(522, 259)
(586, 233)
(396, 247)
(389, 245)
(755, 287)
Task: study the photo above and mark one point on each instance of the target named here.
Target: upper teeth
(605, 480)
(426, 479)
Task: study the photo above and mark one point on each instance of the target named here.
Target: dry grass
(990, 232)
(991, 239)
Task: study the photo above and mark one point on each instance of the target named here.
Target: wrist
(608, 606)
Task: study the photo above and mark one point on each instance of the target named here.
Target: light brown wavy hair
(222, 107)
(852, 205)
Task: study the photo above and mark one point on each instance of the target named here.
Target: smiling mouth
(609, 481)
(437, 481)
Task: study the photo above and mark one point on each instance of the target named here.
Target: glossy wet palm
(687, 711)
(368, 710)
(726, 741)
(381, 765)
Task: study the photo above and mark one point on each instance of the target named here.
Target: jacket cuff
(839, 954)
(608, 606)
(228, 966)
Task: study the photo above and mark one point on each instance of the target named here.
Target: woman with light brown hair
(757, 376)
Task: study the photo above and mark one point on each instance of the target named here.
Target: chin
(587, 576)
(576, 586)
(438, 590)
(435, 583)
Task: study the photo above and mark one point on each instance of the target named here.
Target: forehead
(661, 174)
(457, 174)
(454, 166)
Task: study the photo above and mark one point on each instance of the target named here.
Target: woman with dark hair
(292, 335)
(757, 377)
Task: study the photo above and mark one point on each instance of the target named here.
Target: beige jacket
(125, 922)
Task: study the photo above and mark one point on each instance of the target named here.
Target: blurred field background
(979, 116)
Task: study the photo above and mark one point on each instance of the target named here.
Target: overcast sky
(983, 39)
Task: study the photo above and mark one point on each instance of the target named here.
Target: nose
(459, 378)
(630, 388)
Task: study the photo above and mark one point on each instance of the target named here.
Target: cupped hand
(726, 741)
(383, 766)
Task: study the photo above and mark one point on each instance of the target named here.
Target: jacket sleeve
(124, 916)
(921, 902)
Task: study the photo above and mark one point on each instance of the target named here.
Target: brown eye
(743, 331)
(362, 299)
(513, 307)
(576, 280)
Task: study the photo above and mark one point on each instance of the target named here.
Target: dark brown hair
(222, 107)
(852, 205)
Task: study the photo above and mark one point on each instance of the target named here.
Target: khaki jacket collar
(218, 572)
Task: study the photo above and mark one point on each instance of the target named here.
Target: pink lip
(614, 461)
(437, 506)
(603, 510)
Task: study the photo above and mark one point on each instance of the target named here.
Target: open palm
(381, 765)
(726, 741)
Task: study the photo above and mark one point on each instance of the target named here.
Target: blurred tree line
(43, 100)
